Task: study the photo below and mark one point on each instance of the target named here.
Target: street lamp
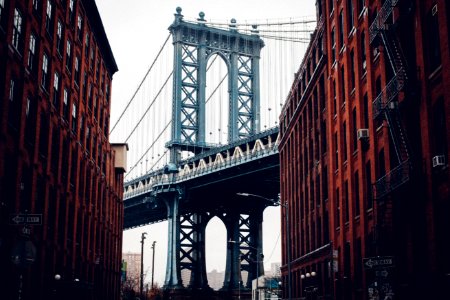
(308, 281)
(288, 232)
(257, 266)
(153, 262)
(141, 287)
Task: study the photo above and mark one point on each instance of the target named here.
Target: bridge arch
(217, 99)
(215, 244)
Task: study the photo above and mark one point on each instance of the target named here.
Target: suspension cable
(138, 88)
(148, 149)
(148, 108)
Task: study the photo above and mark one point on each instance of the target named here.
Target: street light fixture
(141, 287)
(257, 266)
(288, 232)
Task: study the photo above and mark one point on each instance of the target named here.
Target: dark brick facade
(364, 159)
(56, 69)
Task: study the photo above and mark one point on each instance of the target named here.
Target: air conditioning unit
(363, 134)
(438, 161)
(393, 104)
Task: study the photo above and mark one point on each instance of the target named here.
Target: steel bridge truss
(244, 242)
(194, 44)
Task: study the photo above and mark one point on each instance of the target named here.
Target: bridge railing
(206, 164)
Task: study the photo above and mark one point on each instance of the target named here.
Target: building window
(36, 5)
(77, 71)
(363, 52)
(84, 89)
(356, 181)
(336, 153)
(352, 69)
(381, 167)
(71, 11)
(338, 210)
(2, 9)
(343, 95)
(355, 130)
(366, 110)
(49, 18)
(69, 56)
(347, 209)
(434, 46)
(439, 129)
(334, 99)
(369, 202)
(31, 52)
(11, 90)
(66, 104)
(350, 15)
(86, 45)
(80, 27)
(344, 137)
(56, 90)
(45, 74)
(17, 30)
(59, 37)
(341, 29)
(362, 4)
(14, 104)
(333, 45)
(74, 117)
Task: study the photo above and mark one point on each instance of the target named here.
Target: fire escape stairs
(386, 103)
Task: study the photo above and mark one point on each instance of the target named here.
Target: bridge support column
(251, 245)
(233, 263)
(192, 249)
(173, 275)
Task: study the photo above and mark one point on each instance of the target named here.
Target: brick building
(56, 161)
(133, 270)
(364, 159)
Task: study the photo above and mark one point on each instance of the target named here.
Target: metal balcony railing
(392, 180)
(388, 94)
(381, 18)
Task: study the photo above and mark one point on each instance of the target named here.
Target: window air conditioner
(363, 134)
(393, 104)
(438, 161)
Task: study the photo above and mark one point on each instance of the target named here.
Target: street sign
(25, 219)
(378, 262)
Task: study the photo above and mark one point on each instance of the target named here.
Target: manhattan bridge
(202, 127)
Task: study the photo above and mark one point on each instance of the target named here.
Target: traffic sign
(378, 262)
(25, 219)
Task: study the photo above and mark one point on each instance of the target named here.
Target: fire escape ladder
(386, 104)
(379, 23)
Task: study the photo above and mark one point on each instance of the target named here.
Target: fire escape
(386, 105)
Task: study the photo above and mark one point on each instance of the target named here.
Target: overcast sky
(136, 30)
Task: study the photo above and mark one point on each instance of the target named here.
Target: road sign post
(378, 262)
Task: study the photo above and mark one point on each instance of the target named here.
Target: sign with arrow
(25, 219)
(378, 262)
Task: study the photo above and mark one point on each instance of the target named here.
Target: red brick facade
(56, 69)
(365, 168)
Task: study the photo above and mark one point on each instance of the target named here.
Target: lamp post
(153, 262)
(309, 287)
(141, 287)
(257, 261)
(288, 233)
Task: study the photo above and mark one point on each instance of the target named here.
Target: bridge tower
(194, 43)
